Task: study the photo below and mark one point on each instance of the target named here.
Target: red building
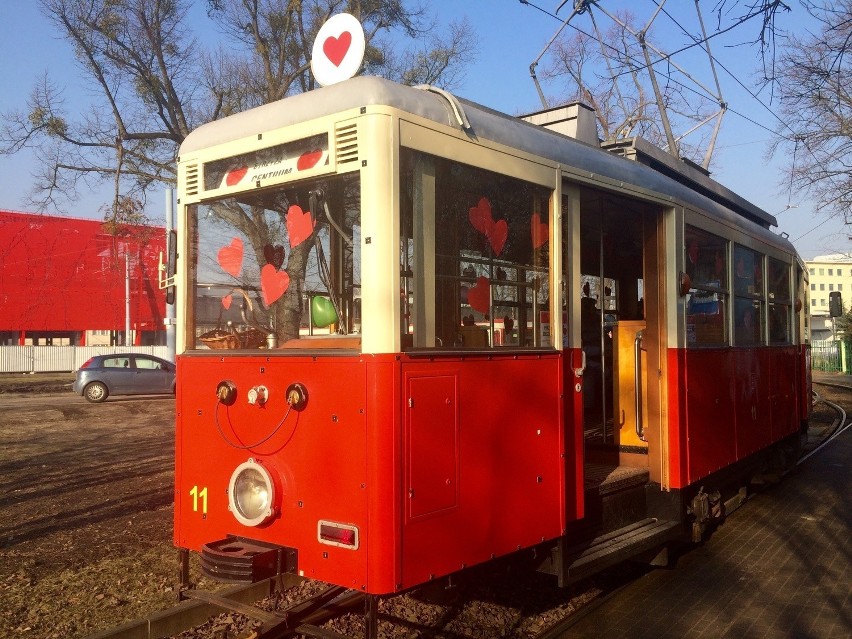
(64, 281)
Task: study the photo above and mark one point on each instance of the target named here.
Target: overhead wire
(640, 65)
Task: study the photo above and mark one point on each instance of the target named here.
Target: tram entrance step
(605, 479)
(614, 496)
(572, 563)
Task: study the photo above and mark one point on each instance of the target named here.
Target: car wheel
(96, 392)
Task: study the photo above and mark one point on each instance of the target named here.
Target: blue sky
(511, 35)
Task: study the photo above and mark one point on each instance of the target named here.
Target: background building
(69, 281)
(828, 273)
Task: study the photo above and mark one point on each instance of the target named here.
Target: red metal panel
(431, 445)
(510, 465)
(752, 387)
(805, 387)
(345, 459)
(317, 456)
(710, 411)
(384, 473)
(738, 402)
(68, 274)
(676, 431)
(573, 495)
(784, 408)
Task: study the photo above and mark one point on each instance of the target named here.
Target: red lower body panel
(733, 403)
(437, 464)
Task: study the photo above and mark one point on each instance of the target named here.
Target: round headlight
(251, 494)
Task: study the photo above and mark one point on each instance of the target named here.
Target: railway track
(277, 609)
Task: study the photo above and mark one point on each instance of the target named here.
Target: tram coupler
(240, 560)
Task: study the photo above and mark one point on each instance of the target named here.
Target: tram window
(474, 257)
(780, 301)
(749, 303)
(270, 272)
(706, 261)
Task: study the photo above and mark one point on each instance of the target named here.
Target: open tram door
(621, 311)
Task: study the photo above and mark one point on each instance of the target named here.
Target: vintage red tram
(417, 334)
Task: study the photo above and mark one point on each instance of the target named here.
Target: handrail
(637, 382)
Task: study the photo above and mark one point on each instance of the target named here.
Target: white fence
(60, 359)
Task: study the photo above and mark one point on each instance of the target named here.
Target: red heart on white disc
(336, 49)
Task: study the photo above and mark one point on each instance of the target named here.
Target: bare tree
(814, 85)
(139, 60)
(639, 88)
(155, 82)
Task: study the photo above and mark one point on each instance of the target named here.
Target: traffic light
(835, 304)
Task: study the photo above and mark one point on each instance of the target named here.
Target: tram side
(419, 335)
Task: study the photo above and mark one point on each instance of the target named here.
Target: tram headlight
(251, 494)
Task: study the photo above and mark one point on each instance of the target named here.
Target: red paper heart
(479, 297)
(308, 160)
(300, 225)
(231, 257)
(234, 176)
(335, 49)
(480, 217)
(538, 231)
(273, 284)
(498, 235)
(226, 301)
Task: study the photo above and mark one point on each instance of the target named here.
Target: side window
(780, 301)
(475, 260)
(149, 364)
(748, 297)
(706, 261)
(117, 362)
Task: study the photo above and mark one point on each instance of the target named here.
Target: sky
(511, 34)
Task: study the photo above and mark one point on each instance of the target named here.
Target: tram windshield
(277, 268)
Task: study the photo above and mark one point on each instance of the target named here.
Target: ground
(85, 509)
(86, 496)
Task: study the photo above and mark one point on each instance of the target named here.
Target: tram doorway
(617, 237)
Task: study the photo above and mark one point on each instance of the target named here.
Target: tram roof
(684, 184)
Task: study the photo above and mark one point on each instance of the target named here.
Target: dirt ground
(85, 509)
(86, 495)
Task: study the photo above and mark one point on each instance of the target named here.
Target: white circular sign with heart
(338, 49)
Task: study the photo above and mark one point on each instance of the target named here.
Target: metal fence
(827, 355)
(61, 359)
